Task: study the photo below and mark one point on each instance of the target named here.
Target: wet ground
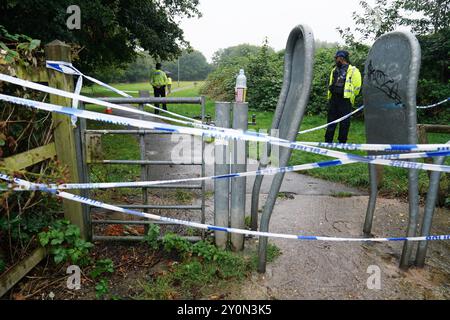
(325, 270)
(328, 270)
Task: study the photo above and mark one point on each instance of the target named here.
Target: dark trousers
(160, 93)
(337, 108)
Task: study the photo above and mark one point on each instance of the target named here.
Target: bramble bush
(24, 215)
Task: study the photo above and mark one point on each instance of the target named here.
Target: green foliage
(101, 288)
(101, 267)
(264, 71)
(18, 48)
(23, 215)
(435, 55)
(2, 265)
(422, 16)
(23, 228)
(207, 267)
(228, 55)
(175, 243)
(431, 91)
(135, 71)
(429, 20)
(265, 78)
(342, 194)
(323, 63)
(111, 31)
(221, 82)
(64, 243)
(183, 196)
(151, 238)
(206, 250)
(193, 67)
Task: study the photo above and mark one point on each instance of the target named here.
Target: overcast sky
(227, 23)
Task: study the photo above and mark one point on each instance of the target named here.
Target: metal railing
(87, 162)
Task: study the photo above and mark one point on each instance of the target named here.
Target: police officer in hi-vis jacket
(158, 80)
(344, 86)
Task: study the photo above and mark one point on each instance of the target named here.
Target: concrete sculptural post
(389, 91)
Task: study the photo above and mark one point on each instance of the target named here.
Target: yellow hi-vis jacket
(352, 83)
(158, 78)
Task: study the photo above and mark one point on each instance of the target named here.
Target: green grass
(98, 91)
(126, 147)
(342, 194)
(395, 180)
(202, 271)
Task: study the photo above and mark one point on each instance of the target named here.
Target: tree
(423, 16)
(230, 53)
(193, 67)
(434, 15)
(429, 20)
(111, 31)
(265, 78)
(263, 68)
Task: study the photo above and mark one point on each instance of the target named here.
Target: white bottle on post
(241, 87)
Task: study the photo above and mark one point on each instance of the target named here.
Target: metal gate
(89, 140)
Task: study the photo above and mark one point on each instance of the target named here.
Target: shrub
(64, 243)
(151, 238)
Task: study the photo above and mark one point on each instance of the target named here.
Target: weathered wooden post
(63, 131)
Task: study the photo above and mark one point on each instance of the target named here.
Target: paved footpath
(321, 270)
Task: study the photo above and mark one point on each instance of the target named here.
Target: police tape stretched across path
(99, 204)
(234, 134)
(68, 68)
(267, 171)
(70, 95)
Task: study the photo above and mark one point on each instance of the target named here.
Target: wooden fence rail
(63, 148)
(14, 163)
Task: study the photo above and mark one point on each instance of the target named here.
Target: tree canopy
(193, 66)
(422, 16)
(234, 52)
(429, 20)
(111, 30)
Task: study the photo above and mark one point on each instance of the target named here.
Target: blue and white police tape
(74, 96)
(333, 122)
(434, 105)
(267, 171)
(379, 147)
(99, 204)
(235, 134)
(70, 95)
(359, 109)
(68, 68)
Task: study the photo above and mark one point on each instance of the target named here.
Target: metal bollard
(221, 167)
(433, 190)
(372, 200)
(238, 185)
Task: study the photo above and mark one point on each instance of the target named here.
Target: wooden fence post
(63, 131)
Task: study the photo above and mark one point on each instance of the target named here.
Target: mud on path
(328, 270)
